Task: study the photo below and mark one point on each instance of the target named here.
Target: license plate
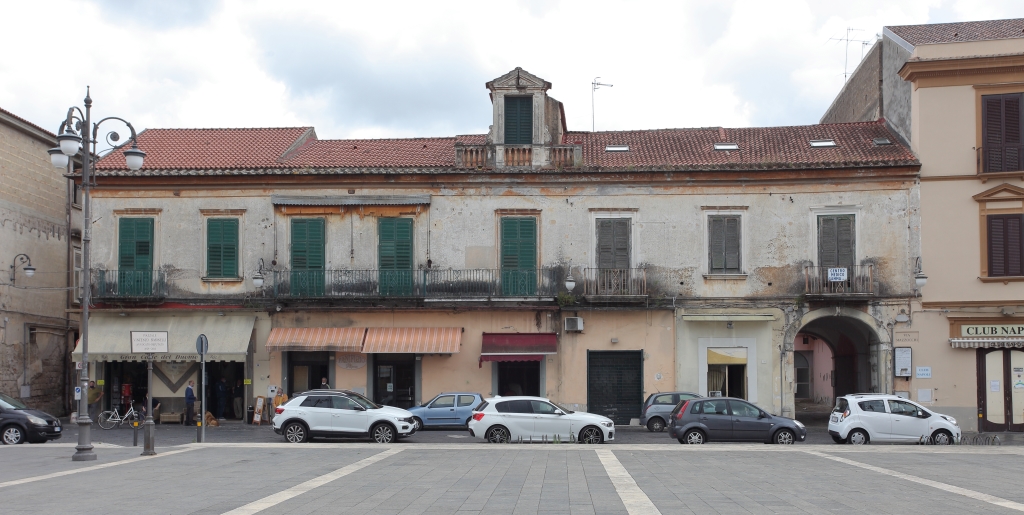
(835, 418)
(57, 429)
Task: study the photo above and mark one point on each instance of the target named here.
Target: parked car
(340, 413)
(723, 419)
(20, 424)
(658, 406)
(863, 418)
(447, 409)
(536, 419)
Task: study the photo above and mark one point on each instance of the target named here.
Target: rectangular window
(394, 250)
(76, 257)
(76, 194)
(724, 244)
(836, 241)
(613, 236)
(135, 257)
(518, 256)
(1002, 122)
(1005, 240)
(307, 257)
(518, 120)
(222, 247)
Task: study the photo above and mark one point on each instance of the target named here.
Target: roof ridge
(304, 127)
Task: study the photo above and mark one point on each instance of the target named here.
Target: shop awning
(517, 346)
(110, 337)
(987, 343)
(725, 317)
(311, 339)
(416, 340)
(727, 356)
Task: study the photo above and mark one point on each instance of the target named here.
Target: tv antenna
(846, 56)
(593, 87)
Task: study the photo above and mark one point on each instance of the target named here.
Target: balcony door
(135, 257)
(394, 251)
(518, 256)
(613, 256)
(307, 257)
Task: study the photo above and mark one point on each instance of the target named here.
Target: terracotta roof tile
(211, 148)
(376, 153)
(960, 31)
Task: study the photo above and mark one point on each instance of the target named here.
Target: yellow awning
(418, 340)
(727, 356)
(311, 339)
(110, 337)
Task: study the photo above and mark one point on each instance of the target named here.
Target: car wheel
(590, 435)
(837, 439)
(295, 433)
(656, 425)
(784, 437)
(498, 434)
(693, 437)
(942, 437)
(383, 433)
(858, 437)
(13, 435)
(417, 424)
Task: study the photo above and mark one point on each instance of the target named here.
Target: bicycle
(112, 419)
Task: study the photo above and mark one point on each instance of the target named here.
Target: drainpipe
(782, 379)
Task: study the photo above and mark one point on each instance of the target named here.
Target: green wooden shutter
(395, 260)
(222, 247)
(519, 256)
(613, 243)
(836, 241)
(135, 256)
(518, 120)
(724, 244)
(307, 257)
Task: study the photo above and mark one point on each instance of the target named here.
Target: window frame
(633, 214)
(815, 212)
(983, 130)
(528, 99)
(725, 270)
(1004, 199)
(208, 275)
(77, 266)
(724, 211)
(1020, 238)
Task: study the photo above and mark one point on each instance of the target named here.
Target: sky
(404, 69)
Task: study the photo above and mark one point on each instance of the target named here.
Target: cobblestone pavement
(456, 477)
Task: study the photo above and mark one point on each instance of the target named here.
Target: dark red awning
(517, 346)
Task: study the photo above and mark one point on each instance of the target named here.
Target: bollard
(135, 433)
(199, 431)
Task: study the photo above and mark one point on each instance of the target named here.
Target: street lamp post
(71, 142)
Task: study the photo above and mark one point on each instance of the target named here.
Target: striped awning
(417, 340)
(310, 339)
(987, 343)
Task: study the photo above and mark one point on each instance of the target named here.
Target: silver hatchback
(658, 406)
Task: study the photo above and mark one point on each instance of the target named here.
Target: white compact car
(536, 419)
(863, 418)
(340, 413)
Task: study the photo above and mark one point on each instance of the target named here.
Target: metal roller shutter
(615, 386)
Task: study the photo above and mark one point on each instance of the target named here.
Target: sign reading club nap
(992, 330)
(149, 342)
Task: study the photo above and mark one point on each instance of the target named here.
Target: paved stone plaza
(407, 478)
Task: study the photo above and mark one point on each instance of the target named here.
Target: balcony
(615, 284)
(128, 284)
(519, 156)
(431, 284)
(850, 281)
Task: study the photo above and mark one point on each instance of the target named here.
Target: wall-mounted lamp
(570, 283)
(28, 268)
(919, 278)
(257, 279)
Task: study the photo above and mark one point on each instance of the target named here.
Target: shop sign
(976, 330)
(837, 275)
(902, 361)
(149, 342)
(923, 372)
(352, 361)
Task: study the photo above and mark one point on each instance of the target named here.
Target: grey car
(723, 419)
(659, 405)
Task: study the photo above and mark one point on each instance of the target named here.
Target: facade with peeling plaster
(591, 268)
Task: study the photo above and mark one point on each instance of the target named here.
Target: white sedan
(536, 419)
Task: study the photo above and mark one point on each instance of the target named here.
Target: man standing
(324, 385)
(239, 394)
(95, 394)
(190, 404)
(221, 392)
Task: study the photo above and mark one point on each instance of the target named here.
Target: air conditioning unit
(574, 324)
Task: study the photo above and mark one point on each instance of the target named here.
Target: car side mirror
(762, 415)
(559, 412)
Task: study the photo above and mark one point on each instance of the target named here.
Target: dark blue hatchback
(725, 419)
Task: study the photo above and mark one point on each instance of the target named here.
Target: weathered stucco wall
(896, 102)
(857, 101)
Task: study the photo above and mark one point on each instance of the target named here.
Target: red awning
(517, 346)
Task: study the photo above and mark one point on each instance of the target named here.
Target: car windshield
(11, 403)
(563, 408)
(363, 401)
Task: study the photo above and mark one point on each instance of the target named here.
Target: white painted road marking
(301, 488)
(87, 469)
(635, 500)
(991, 499)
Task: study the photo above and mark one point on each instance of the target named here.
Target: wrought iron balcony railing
(839, 281)
(430, 283)
(128, 284)
(624, 282)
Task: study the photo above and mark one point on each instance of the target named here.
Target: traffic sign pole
(202, 346)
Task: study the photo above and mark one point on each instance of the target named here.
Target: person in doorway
(145, 403)
(220, 391)
(95, 394)
(190, 404)
(323, 384)
(239, 394)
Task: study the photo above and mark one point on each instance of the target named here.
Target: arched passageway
(853, 345)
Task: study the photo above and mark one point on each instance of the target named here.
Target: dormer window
(822, 143)
(616, 148)
(518, 120)
(727, 146)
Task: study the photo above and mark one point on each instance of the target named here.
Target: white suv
(340, 413)
(862, 418)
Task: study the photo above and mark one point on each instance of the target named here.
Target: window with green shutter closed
(222, 247)
(518, 120)
(613, 243)
(394, 251)
(836, 241)
(519, 256)
(135, 257)
(307, 257)
(724, 244)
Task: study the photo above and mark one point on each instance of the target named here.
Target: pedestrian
(190, 404)
(221, 393)
(145, 403)
(95, 394)
(279, 398)
(323, 384)
(239, 394)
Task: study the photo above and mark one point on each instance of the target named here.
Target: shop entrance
(395, 380)
(127, 384)
(615, 386)
(519, 378)
(305, 370)
(1001, 389)
(220, 399)
(727, 372)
